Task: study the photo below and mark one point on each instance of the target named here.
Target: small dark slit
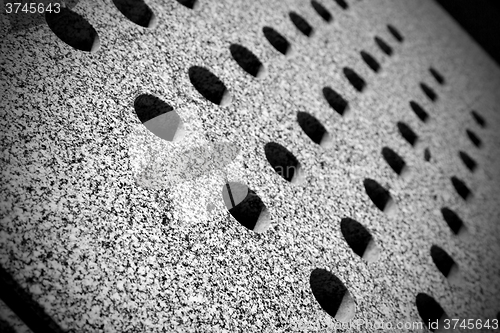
(187, 3)
(301, 24)
(335, 100)
(311, 126)
(419, 111)
(429, 310)
(370, 61)
(407, 133)
(395, 33)
(468, 161)
(442, 260)
(476, 141)
(478, 118)
(354, 79)
(282, 161)
(136, 11)
(356, 235)
(246, 59)
(322, 11)
(452, 219)
(437, 76)
(395, 161)
(429, 92)
(461, 188)
(379, 195)
(427, 155)
(383, 46)
(342, 3)
(207, 84)
(276, 40)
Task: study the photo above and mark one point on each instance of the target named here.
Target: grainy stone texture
(101, 252)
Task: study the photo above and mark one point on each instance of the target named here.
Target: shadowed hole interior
(468, 161)
(331, 294)
(460, 187)
(383, 46)
(335, 100)
(395, 161)
(429, 92)
(419, 111)
(427, 154)
(246, 59)
(354, 79)
(283, 161)
(312, 127)
(378, 195)
(188, 3)
(208, 85)
(276, 40)
(452, 219)
(429, 310)
(370, 61)
(73, 29)
(342, 3)
(407, 133)
(478, 118)
(437, 76)
(476, 141)
(442, 260)
(301, 24)
(395, 33)
(136, 11)
(357, 236)
(322, 11)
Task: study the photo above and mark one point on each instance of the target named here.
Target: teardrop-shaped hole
(461, 188)
(429, 92)
(247, 60)
(284, 162)
(336, 101)
(430, 311)
(437, 76)
(370, 61)
(407, 133)
(209, 85)
(395, 161)
(73, 29)
(478, 118)
(383, 46)
(359, 239)
(342, 3)
(332, 295)
(301, 24)
(314, 129)
(322, 11)
(279, 42)
(419, 111)
(444, 262)
(354, 79)
(191, 4)
(379, 195)
(137, 11)
(427, 154)
(476, 141)
(395, 33)
(468, 161)
(451, 218)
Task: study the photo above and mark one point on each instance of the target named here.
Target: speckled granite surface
(100, 250)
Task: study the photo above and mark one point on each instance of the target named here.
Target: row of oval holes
(243, 203)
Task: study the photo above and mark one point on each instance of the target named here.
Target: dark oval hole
(378, 195)
(300, 23)
(359, 239)
(430, 311)
(419, 111)
(437, 76)
(395, 161)
(313, 128)
(136, 11)
(476, 141)
(354, 79)
(443, 261)
(246, 59)
(427, 155)
(283, 162)
(461, 188)
(383, 46)
(342, 4)
(478, 118)
(429, 92)
(395, 33)
(246, 207)
(453, 220)
(332, 295)
(191, 4)
(468, 161)
(322, 11)
(276, 40)
(335, 100)
(209, 85)
(370, 61)
(407, 133)
(73, 29)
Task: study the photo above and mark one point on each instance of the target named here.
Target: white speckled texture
(101, 252)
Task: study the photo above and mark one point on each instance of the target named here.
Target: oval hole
(342, 4)
(419, 111)
(246, 207)
(427, 154)
(430, 311)
(322, 11)
(468, 161)
(247, 60)
(73, 29)
(359, 239)
(476, 141)
(383, 46)
(191, 4)
(478, 118)
(335, 100)
(354, 79)
(283, 162)
(437, 76)
(379, 196)
(429, 92)
(444, 262)
(453, 220)
(301, 24)
(276, 40)
(159, 117)
(332, 295)
(395, 33)
(407, 133)
(137, 11)
(395, 161)
(209, 85)
(460, 187)
(314, 129)
(370, 61)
